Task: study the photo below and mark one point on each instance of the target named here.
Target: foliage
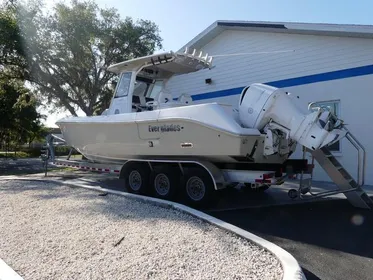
(69, 50)
(12, 51)
(24, 152)
(62, 58)
(19, 120)
(64, 151)
(19, 154)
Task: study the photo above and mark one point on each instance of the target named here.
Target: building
(324, 64)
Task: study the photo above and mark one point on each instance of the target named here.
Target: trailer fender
(215, 173)
(128, 161)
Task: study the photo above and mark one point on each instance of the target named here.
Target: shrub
(32, 152)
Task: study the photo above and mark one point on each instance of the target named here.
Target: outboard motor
(272, 110)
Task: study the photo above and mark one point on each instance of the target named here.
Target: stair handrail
(361, 157)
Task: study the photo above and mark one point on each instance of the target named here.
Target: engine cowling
(271, 109)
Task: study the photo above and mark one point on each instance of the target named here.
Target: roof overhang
(339, 30)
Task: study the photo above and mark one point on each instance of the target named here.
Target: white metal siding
(356, 98)
(313, 55)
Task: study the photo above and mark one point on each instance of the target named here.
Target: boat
(163, 144)
(146, 121)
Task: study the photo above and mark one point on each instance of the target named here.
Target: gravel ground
(49, 231)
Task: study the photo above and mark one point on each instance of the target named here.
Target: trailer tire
(163, 181)
(136, 177)
(198, 187)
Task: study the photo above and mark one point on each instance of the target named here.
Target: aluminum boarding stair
(345, 182)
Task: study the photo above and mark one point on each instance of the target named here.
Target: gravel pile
(49, 231)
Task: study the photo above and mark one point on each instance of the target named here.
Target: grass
(19, 154)
(75, 156)
(16, 172)
(23, 154)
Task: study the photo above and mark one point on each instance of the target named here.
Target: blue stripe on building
(321, 77)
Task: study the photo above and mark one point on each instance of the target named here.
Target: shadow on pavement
(309, 275)
(334, 224)
(330, 239)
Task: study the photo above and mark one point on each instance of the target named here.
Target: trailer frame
(211, 176)
(215, 176)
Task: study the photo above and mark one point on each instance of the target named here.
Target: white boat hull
(207, 131)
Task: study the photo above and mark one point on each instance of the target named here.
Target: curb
(291, 268)
(7, 273)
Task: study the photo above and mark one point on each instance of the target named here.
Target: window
(124, 85)
(333, 107)
(142, 85)
(140, 88)
(156, 89)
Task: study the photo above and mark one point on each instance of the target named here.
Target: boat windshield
(141, 86)
(158, 85)
(124, 85)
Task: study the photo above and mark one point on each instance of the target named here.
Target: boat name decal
(165, 128)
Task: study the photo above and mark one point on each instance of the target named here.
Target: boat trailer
(345, 183)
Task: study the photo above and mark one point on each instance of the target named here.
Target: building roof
(325, 29)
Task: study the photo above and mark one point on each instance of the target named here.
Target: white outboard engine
(273, 112)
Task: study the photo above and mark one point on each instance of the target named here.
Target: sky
(180, 21)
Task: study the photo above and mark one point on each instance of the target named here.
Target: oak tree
(69, 50)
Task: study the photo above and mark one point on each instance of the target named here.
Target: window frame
(337, 108)
(150, 92)
(119, 84)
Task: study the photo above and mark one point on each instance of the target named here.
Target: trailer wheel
(293, 194)
(136, 176)
(164, 181)
(198, 187)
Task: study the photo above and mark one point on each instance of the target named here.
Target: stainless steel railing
(361, 157)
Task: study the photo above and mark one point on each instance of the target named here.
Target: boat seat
(164, 97)
(139, 103)
(136, 102)
(136, 99)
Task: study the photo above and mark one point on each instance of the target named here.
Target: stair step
(346, 176)
(366, 199)
(334, 160)
(331, 165)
